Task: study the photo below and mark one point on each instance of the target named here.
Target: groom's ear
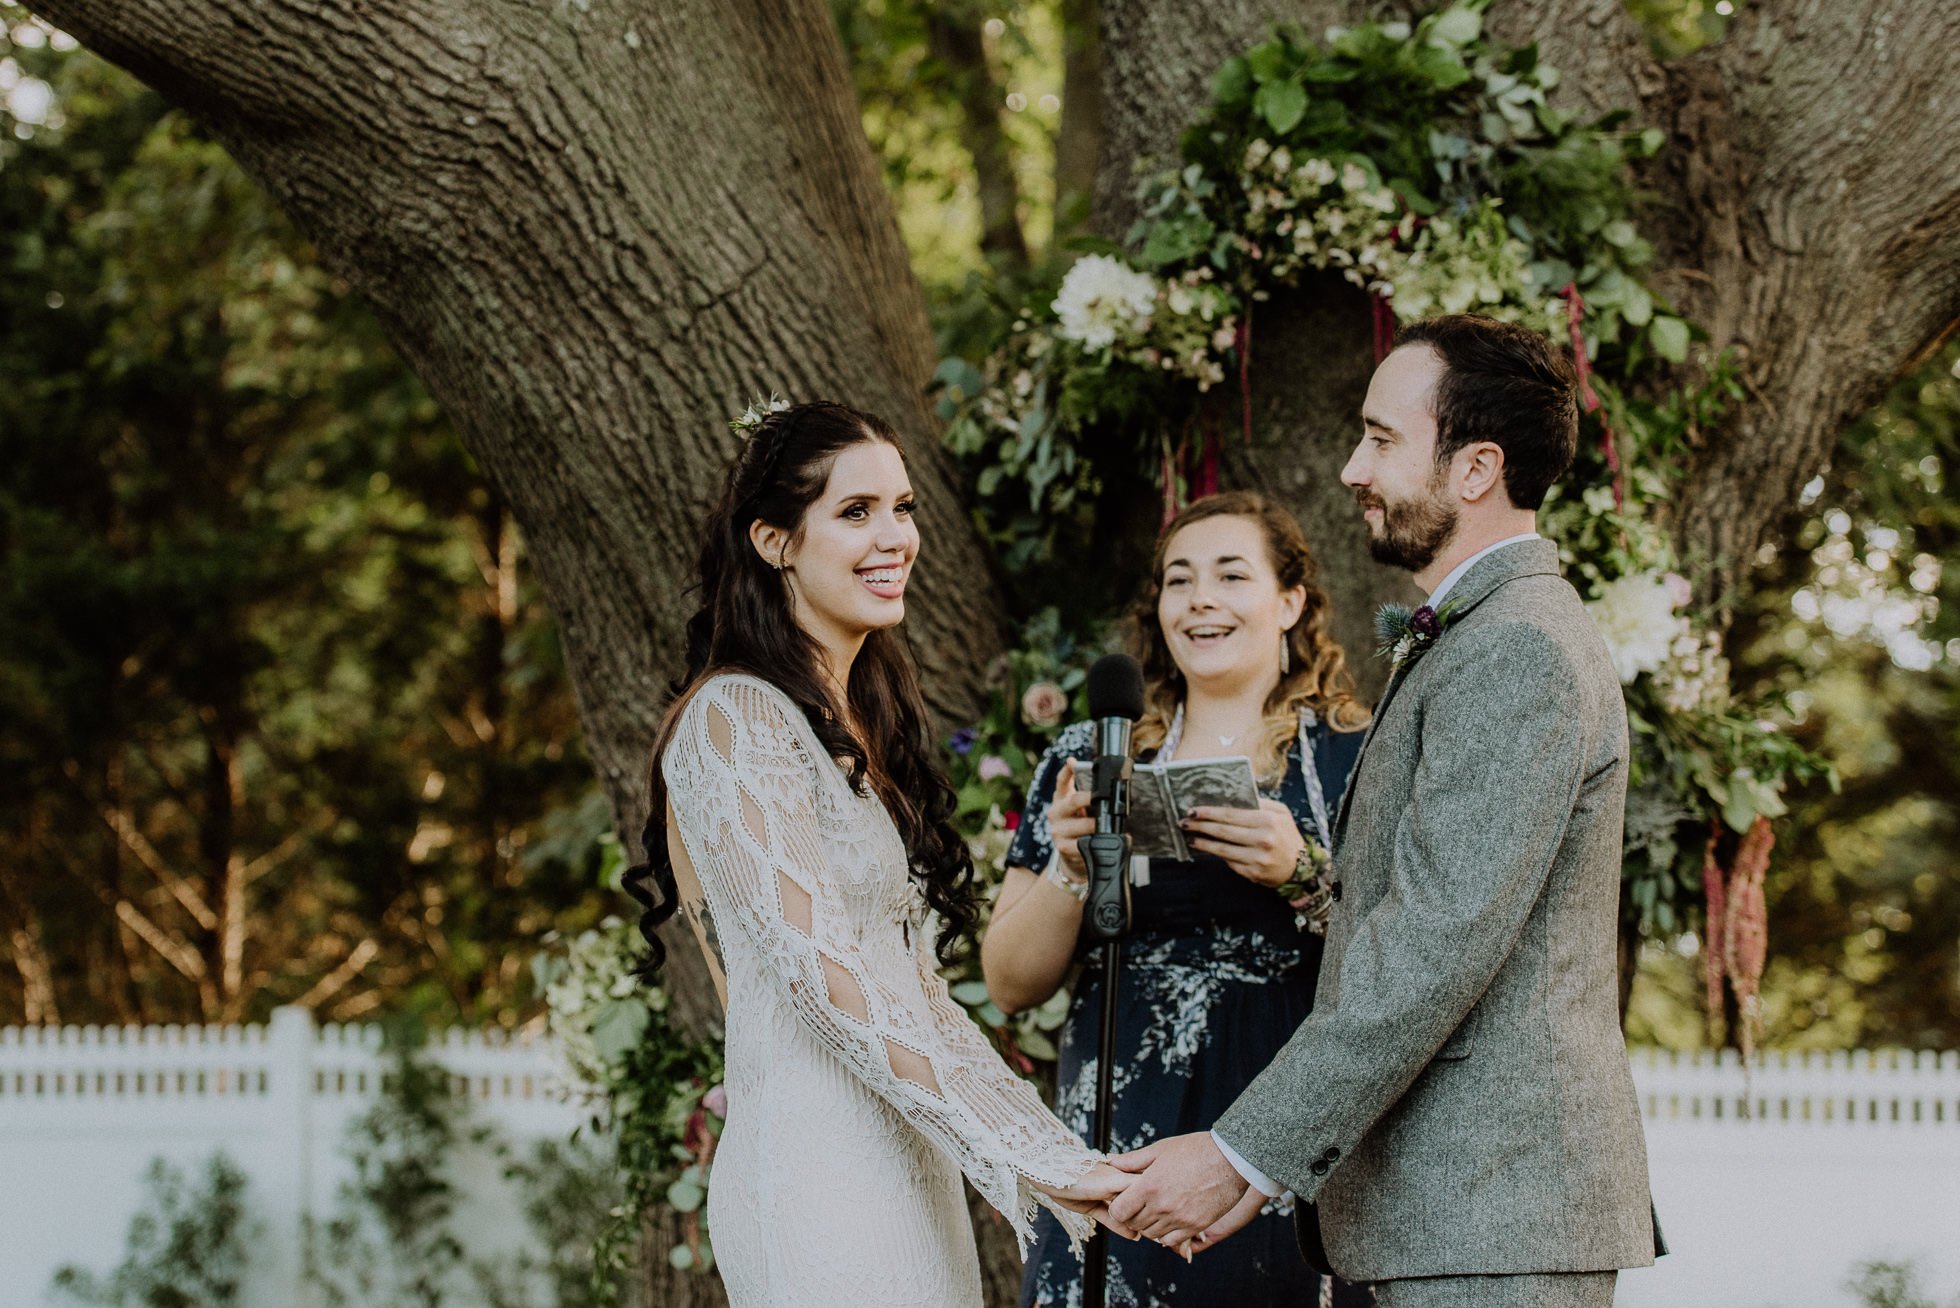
(1480, 471)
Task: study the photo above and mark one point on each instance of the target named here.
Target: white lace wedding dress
(837, 1179)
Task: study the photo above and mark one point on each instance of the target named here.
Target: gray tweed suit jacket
(1458, 1102)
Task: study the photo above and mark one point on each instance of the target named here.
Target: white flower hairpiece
(758, 410)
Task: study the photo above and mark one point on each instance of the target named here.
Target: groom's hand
(1183, 1187)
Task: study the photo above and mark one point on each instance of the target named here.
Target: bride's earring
(1285, 659)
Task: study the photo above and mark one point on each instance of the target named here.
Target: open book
(1162, 793)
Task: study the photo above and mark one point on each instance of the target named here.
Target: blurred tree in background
(1855, 618)
(280, 711)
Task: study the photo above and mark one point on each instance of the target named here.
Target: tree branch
(335, 981)
(137, 843)
(175, 952)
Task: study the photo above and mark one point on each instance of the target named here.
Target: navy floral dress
(1215, 977)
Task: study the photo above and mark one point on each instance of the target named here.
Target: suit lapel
(1395, 680)
(1524, 559)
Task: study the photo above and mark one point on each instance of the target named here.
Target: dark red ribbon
(1575, 307)
(1244, 347)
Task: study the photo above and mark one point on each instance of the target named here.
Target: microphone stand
(1106, 918)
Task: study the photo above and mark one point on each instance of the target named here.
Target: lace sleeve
(750, 803)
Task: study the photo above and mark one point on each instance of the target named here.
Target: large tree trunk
(595, 229)
(1807, 214)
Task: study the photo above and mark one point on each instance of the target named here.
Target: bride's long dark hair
(746, 624)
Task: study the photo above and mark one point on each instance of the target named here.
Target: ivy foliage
(187, 1245)
(1423, 163)
(654, 1090)
(394, 1238)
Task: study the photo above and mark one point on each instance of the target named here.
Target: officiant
(1225, 948)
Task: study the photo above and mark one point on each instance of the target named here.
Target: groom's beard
(1412, 532)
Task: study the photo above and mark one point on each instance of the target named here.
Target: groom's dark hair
(1504, 384)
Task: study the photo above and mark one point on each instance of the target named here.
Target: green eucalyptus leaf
(1669, 337)
(680, 1257)
(619, 1027)
(1455, 27)
(1036, 1045)
(1268, 61)
(1330, 72)
(1176, 241)
(1639, 306)
(684, 1196)
(970, 993)
(1053, 1012)
(1281, 104)
(1233, 83)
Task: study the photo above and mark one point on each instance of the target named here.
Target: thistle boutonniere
(1406, 633)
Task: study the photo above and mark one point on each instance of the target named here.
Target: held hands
(1091, 1193)
(1262, 845)
(1184, 1195)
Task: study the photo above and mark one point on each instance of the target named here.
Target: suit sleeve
(1493, 792)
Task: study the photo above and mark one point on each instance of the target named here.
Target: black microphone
(1115, 702)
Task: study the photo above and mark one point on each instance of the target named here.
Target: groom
(1456, 1114)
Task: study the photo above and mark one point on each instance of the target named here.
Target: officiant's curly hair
(1317, 677)
(746, 624)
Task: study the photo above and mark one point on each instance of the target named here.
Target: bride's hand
(1090, 1193)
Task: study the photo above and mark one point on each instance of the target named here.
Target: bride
(800, 823)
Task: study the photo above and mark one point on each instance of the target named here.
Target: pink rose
(716, 1101)
(1678, 588)
(1044, 704)
(994, 766)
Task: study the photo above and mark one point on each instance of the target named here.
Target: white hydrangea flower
(1101, 296)
(1636, 617)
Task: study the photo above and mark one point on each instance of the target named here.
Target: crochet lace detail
(825, 936)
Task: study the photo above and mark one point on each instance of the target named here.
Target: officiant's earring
(1285, 658)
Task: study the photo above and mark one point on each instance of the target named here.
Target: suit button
(1332, 1154)
(1320, 1167)
(1336, 888)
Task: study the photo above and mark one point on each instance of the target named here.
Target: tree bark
(595, 229)
(1806, 213)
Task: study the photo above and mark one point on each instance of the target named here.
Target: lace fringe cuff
(1077, 1227)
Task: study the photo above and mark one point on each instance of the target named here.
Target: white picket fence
(84, 1110)
(1770, 1187)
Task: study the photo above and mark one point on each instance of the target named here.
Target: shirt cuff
(1255, 1178)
